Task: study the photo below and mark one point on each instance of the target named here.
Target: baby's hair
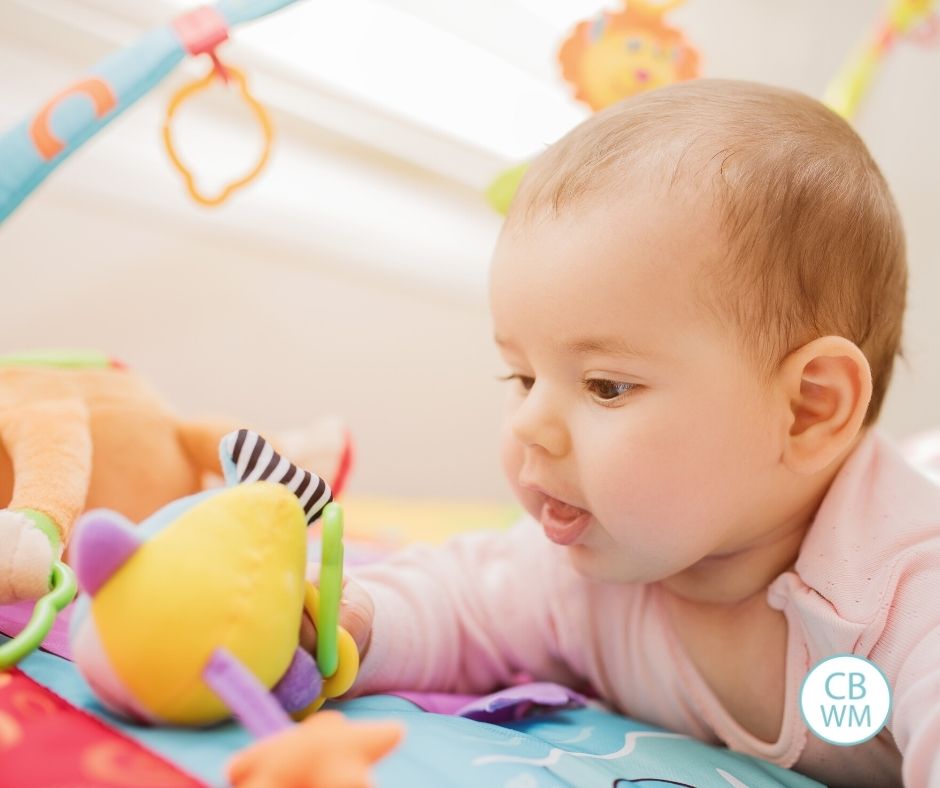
(816, 243)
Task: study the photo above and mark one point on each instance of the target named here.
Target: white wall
(343, 282)
(350, 280)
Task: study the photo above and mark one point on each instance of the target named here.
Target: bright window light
(482, 73)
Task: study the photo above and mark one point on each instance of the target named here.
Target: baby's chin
(606, 564)
(597, 556)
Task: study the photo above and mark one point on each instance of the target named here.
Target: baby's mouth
(563, 523)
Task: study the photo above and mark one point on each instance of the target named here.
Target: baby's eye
(606, 391)
(524, 381)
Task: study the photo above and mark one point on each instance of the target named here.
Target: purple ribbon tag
(514, 703)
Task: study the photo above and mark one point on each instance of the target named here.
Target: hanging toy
(612, 57)
(619, 54)
(503, 188)
(201, 32)
(908, 19)
(36, 146)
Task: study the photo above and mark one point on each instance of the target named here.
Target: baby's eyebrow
(612, 345)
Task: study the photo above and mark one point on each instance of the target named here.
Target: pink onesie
(487, 606)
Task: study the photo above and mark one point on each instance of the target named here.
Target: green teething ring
(331, 589)
(47, 608)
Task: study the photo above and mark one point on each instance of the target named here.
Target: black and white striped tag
(251, 459)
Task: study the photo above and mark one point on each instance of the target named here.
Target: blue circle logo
(845, 700)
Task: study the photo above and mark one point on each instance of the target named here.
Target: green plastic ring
(47, 608)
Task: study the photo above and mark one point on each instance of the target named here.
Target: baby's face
(635, 431)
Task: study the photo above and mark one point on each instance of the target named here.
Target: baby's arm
(909, 652)
(469, 616)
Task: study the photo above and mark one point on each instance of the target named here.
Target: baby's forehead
(648, 230)
(613, 265)
(665, 210)
(567, 296)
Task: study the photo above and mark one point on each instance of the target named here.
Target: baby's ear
(828, 386)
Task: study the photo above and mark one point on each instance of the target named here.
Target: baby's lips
(563, 511)
(560, 529)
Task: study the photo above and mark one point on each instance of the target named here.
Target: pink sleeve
(467, 616)
(909, 653)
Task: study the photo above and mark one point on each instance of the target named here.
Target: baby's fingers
(356, 612)
(355, 616)
(308, 634)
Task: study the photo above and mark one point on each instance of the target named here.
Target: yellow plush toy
(79, 432)
(223, 636)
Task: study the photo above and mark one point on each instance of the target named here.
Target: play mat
(563, 740)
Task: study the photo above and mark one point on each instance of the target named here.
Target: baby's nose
(538, 423)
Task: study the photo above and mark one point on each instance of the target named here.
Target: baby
(698, 294)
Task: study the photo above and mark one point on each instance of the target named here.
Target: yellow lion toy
(621, 54)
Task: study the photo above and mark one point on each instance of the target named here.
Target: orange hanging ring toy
(227, 74)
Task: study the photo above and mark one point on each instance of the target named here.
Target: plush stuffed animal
(195, 615)
(79, 432)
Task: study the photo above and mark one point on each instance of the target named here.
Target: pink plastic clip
(202, 30)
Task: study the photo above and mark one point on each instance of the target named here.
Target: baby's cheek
(636, 489)
(657, 499)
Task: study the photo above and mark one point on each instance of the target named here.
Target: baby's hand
(355, 616)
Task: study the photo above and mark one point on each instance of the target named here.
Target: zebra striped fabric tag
(252, 459)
